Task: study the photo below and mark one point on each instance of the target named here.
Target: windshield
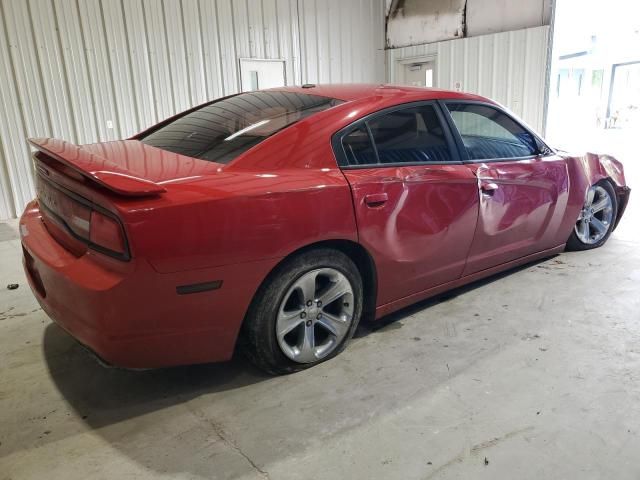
(222, 130)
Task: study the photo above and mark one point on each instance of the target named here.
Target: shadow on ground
(102, 395)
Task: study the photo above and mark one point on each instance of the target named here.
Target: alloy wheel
(315, 315)
(596, 216)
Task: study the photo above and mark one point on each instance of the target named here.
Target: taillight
(79, 218)
(83, 220)
(106, 232)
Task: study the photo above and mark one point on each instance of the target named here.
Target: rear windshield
(222, 130)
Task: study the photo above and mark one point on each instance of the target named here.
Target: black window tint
(358, 148)
(222, 130)
(410, 135)
(488, 133)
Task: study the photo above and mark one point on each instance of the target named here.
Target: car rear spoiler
(96, 168)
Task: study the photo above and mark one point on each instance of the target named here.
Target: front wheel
(596, 219)
(305, 313)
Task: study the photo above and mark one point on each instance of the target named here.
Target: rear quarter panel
(238, 217)
(234, 227)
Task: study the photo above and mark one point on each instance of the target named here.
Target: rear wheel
(596, 219)
(305, 313)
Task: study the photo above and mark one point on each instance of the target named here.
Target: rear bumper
(130, 315)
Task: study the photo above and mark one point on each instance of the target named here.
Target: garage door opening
(594, 88)
(594, 91)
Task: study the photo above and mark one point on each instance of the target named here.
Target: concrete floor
(534, 374)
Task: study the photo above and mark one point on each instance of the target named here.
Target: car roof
(358, 91)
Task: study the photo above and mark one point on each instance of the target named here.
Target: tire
(321, 331)
(585, 235)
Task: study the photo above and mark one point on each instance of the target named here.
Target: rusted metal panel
(492, 16)
(415, 22)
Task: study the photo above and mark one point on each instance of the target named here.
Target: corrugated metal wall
(95, 70)
(508, 67)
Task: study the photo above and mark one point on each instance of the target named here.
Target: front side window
(488, 133)
(410, 135)
(221, 131)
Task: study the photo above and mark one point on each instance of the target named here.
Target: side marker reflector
(198, 287)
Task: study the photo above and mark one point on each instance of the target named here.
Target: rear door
(416, 204)
(523, 186)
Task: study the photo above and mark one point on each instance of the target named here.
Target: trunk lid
(127, 167)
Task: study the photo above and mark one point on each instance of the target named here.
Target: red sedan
(284, 216)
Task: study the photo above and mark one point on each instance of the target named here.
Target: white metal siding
(68, 67)
(507, 67)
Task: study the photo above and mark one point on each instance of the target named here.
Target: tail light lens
(106, 232)
(81, 220)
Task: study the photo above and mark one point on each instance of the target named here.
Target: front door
(523, 190)
(416, 204)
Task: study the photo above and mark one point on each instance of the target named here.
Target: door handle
(376, 199)
(488, 188)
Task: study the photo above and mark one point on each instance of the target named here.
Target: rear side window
(358, 147)
(221, 131)
(410, 135)
(488, 133)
